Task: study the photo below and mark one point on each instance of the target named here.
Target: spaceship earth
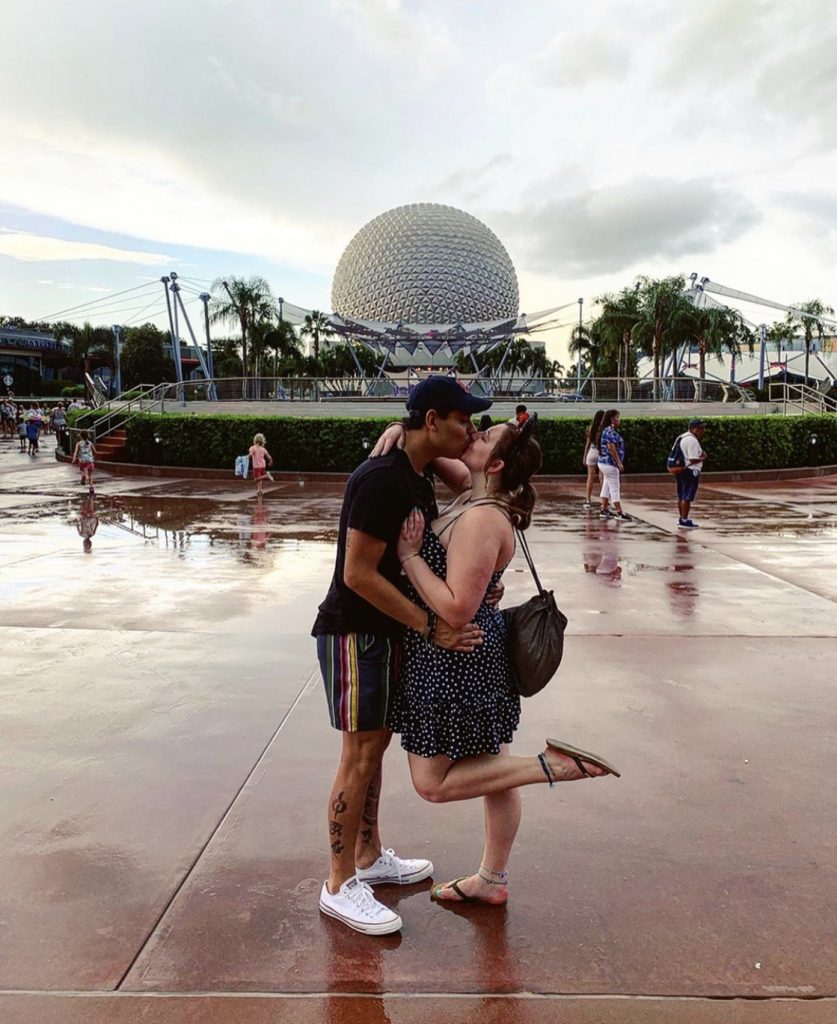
(425, 264)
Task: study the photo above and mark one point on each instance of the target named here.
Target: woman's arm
(614, 452)
(453, 473)
(471, 559)
(450, 471)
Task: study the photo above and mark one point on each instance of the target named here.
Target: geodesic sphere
(425, 264)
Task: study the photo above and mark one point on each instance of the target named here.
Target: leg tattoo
(373, 798)
(335, 828)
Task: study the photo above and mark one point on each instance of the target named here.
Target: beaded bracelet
(430, 631)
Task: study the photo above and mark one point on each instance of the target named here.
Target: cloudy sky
(249, 136)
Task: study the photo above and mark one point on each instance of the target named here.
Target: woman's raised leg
(502, 820)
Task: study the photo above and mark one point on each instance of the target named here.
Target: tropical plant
(90, 345)
(806, 315)
(619, 314)
(662, 309)
(143, 358)
(282, 340)
(716, 330)
(316, 326)
(247, 301)
(226, 357)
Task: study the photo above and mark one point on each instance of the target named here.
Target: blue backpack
(676, 461)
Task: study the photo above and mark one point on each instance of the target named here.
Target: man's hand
(464, 640)
(392, 436)
(494, 595)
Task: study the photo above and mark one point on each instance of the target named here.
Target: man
(688, 480)
(357, 632)
(521, 414)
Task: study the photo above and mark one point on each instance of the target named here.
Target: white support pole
(762, 353)
(117, 347)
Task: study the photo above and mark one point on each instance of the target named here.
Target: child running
(259, 454)
(85, 456)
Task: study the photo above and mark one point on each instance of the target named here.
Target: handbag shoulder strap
(524, 545)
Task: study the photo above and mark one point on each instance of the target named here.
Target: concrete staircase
(110, 448)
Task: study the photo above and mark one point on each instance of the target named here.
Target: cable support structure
(92, 302)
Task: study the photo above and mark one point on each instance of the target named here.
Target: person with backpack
(685, 462)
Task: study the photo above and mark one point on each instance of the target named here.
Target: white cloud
(613, 228)
(42, 249)
(278, 130)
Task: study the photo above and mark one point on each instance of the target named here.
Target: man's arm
(360, 573)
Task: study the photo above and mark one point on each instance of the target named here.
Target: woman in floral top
(611, 465)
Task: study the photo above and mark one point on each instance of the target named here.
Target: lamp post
(276, 350)
(117, 349)
(762, 348)
(578, 363)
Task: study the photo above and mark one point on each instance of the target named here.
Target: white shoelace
(392, 861)
(363, 899)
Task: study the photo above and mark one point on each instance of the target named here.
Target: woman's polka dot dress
(450, 703)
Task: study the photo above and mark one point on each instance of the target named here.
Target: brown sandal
(463, 896)
(580, 756)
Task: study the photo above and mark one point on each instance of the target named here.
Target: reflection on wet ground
(166, 752)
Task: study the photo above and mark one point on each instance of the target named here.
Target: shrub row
(337, 445)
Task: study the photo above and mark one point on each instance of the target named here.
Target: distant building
(29, 357)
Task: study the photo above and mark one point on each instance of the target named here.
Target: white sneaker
(354, 904)
(391, 869)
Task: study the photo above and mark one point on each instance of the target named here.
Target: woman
(590, 459)
(457, 712)
(611, 465)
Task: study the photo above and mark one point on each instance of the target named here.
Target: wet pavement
(165, 757)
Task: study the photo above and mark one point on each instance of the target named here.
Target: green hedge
(336, 445)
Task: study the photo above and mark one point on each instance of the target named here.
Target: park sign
(11, 338)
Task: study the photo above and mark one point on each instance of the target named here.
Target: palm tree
(661, 306)
(317, 325)
(89, 343)
(584, 344)
(249, 302)
(810, 323)
(619, 315)
(282, 339)
(782, 334)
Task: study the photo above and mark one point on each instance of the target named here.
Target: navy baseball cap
(444, 395)
(696, 423)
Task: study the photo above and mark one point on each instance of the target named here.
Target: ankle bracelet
(497, 874)
(493, 881)
(550, 778)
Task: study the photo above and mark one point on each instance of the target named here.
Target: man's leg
(360, 765)
(368, 845)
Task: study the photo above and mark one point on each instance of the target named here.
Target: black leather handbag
(535, 636)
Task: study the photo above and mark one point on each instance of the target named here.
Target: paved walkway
(165, 758)
(394, 408)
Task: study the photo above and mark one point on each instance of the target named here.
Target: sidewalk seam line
(188, 874)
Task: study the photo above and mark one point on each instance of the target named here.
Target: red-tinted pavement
(166, 756)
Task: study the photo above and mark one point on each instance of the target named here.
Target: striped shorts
(360, 673)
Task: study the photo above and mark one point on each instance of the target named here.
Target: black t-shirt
(379, 496)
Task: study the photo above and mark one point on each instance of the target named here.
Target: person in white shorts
(590, 459)
(611, 466)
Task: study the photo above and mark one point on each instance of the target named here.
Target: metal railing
(398, 386)
(799, 399)
(102, 421)
(96, 388)
(114, 414)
